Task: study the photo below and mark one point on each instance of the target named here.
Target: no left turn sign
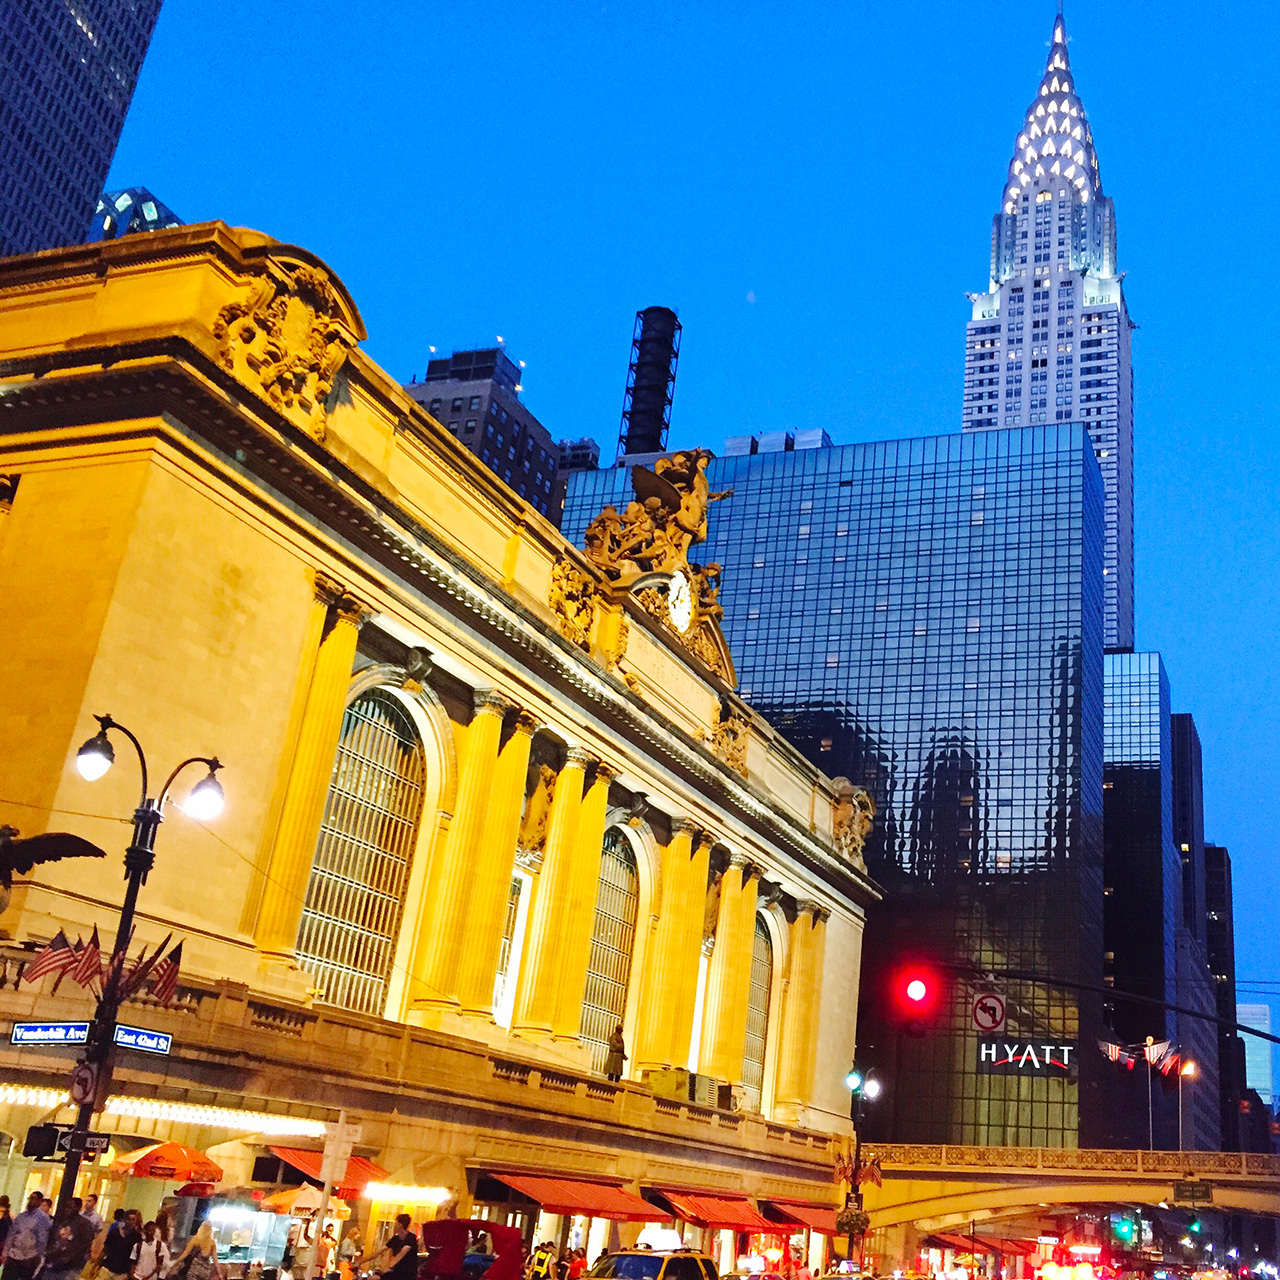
(988, 1012)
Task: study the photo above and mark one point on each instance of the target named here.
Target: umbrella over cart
(169, 1160)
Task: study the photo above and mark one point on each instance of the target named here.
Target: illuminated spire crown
(1055, 142)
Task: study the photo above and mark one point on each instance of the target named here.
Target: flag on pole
(1155, 1052)
(1113, 1051)
(57, 956)
(88, 965)
(141, 969)
(114, 968)
(871, 1172)
(165, 985)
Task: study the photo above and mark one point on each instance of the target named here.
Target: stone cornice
(169, 376)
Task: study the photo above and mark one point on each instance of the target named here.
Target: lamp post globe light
(204, 802)
(863, 1088)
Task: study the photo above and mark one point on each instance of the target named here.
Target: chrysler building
(1049, 341)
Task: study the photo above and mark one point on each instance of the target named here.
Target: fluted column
(584, 888)
(447, 897)
(340, 616)
(671, 979)
(724, 1010)
(800, 1010)
(538, 992)
(492, 870)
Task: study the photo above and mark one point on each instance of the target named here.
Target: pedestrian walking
(90, 1211)
(199, 1260)
(399, 1256)
(617, 1055)
(120, 1248)
(70, 1238)
(153, 1254)
(6, 1220)
(26, 1242)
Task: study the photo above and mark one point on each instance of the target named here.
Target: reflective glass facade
(925, 618)
(67, 74)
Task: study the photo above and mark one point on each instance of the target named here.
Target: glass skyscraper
(1049, 340)
(925, 617)
(67, 74)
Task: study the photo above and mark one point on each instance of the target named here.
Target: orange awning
(590, 1199)
(723, 1210)
(359, 1172)
(817, 1217)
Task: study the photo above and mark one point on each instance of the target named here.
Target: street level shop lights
(204, 802)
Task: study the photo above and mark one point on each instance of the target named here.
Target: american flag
(58, 956)
(88, 965)
(871, 1172)
(165, 985)
(1156, 1052)
(141, 969)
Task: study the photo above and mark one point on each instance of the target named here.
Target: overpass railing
(918, 1156)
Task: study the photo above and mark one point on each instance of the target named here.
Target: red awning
(817, 1217)
(979, 1244)
(359, 1173)
(723, 1210)
(591, 1199)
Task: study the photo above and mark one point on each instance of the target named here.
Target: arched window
(355, 897)
(758, 1015)
(612, 936)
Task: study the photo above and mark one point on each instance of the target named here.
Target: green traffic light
(1195, 1226)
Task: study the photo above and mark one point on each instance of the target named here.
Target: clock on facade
(680, 601)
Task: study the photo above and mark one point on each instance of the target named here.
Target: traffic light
(1124, 1230)
(916, 997)
(1195, 1225)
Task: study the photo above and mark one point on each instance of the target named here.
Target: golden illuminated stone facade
(224, 524)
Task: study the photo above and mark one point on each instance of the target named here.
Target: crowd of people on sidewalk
(74, 1243)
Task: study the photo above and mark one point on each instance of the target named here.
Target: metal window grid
(757, 1015)
(612, 937)
(355, 896)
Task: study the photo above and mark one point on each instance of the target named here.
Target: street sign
(339, 1139)
(139, 1038)
(47, 1141)
(97, 1143)
(49, 1033)
(988, 1013)
(1193, 1192)
(84, 1083)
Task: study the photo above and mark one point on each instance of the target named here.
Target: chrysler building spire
(1049, 341)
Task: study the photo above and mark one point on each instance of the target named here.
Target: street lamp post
(863, 1088)
(1188, 1070)
(204, 802)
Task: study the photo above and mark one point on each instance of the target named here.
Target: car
(654, 1264)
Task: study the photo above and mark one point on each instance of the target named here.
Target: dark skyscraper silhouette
(67, 75)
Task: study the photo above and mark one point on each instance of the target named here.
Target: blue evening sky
(811, 185)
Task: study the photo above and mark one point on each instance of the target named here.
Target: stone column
(579, 918)
(538, 992)
(800, 1011)
(671, 980)
(724, 1010)
(492, 871)
(450, 880)
(341, 616)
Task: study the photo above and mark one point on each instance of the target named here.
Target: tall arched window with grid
(753, 1056)
(355, 896)
(613, 935)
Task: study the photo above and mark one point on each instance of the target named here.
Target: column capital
(741, 861)
(527, 723)
(606, 772)
(491, 702)
(333, 595)
(807, 907)
(685, 826)
(578, 757)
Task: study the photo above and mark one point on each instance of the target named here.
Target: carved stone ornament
(286, 340)
(645, 550)
(537, 810)
(570, 598)
(728, 738)
(852, 820)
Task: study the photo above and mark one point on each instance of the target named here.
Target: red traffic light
(915, 996)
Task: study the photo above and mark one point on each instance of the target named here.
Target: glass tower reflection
(925, 617)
